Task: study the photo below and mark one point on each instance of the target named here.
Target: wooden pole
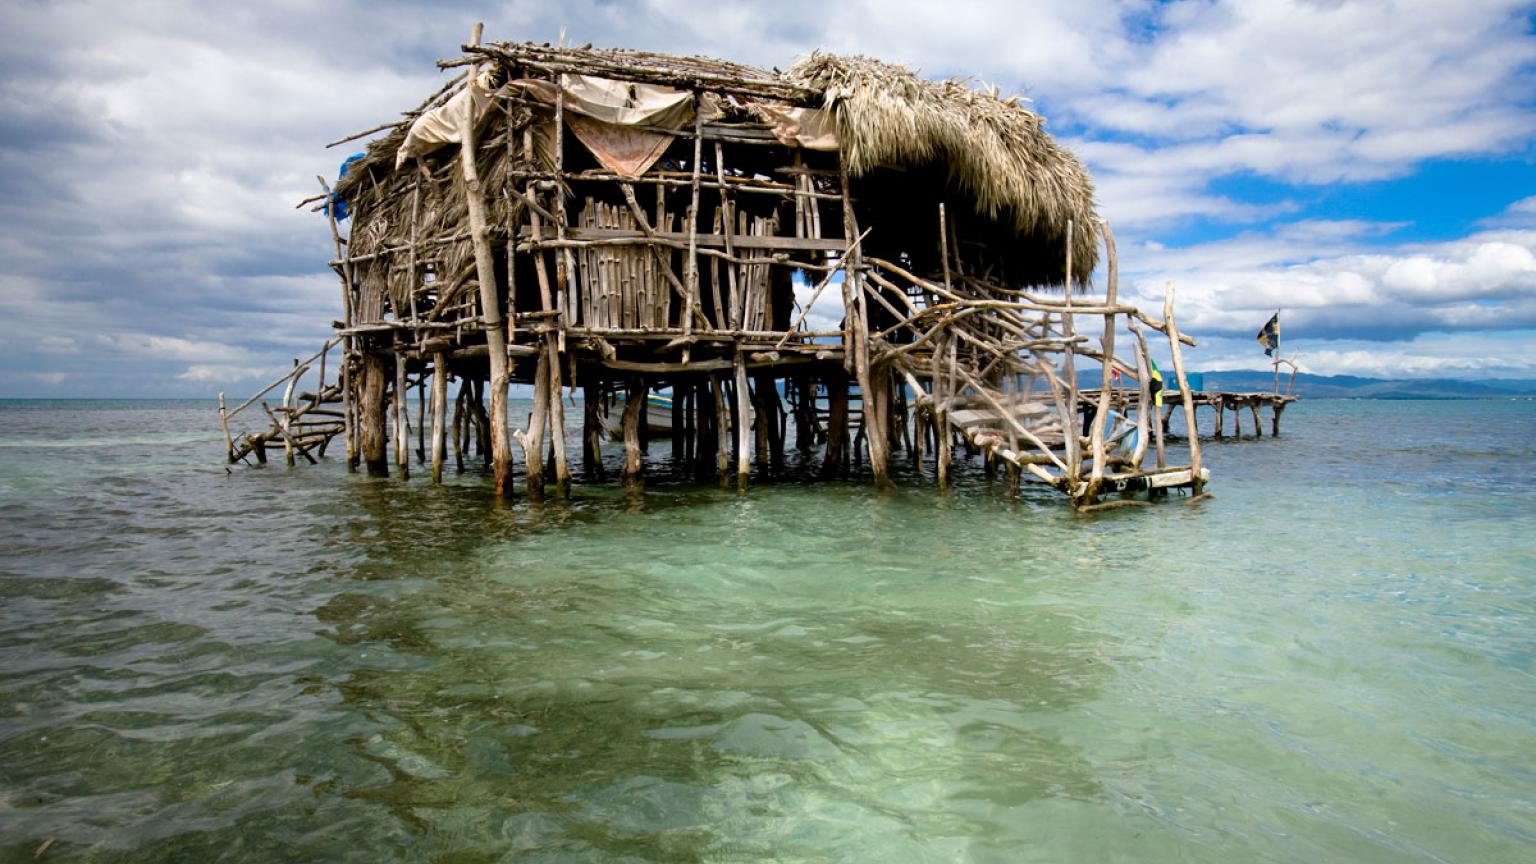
(490, 303)
(373, 432)
(402, 418)
(532, 441)
(1144, 407)
(743, 422)
(1069, 422)
(690, 302)
(557, 426)
(943, 436)
(458, 425)
(1189, 404)
(1107, 349)
(592, 428)
(421, 418)
(837, 422)
(678, 430)
(634, 415)
(439, 413)
(229, 442)
(857, 327)
(348, 410)
(722, 427)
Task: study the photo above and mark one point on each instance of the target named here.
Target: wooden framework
(563, 274)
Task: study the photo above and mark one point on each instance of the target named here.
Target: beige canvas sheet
(444, 124)
(605, 115)
(811, 128)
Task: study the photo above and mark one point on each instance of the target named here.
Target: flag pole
(1276, 363)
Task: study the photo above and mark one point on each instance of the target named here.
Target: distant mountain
(1356, 387)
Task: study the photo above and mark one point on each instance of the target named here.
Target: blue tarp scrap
(338, 203)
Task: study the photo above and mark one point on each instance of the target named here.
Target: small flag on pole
(1156, 385)
(1269, 337)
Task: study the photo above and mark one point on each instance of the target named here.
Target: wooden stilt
(439, 412)
(837, 423)
(708, 432)
(634, 417)
(532, 439)
(857, 323)
(458, 426)
(490, 301)
(743, 422)
(592, 429)
(421, 419)
(771, 420)
(722, 427)
(1107, 351)
(374, 422)
(1196, 484)
(402, 418)
(679, 430)
(690, 418)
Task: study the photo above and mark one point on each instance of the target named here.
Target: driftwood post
(857, 326)
(532, 441)
(592, 428)
(229, 442)
(402, 418)
(566, 309)
(373, 421)
(743, 422)
(1189, 404)
(1107, 349)
(439, 413)
(490, 303)
(837, 422)
(348, 409)
(634, 415)
(1143, 397)
(1069, 422)
(722, 427)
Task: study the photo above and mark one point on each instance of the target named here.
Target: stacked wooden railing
(303, 423)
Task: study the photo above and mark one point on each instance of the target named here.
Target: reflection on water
(1328, 661)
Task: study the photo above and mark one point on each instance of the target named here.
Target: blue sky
(1368, 167)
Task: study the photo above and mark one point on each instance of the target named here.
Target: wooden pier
(1219, 403)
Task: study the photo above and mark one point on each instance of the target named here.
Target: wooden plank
(738, 241)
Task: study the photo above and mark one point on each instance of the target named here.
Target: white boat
(658, 416)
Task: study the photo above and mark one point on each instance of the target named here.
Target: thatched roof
(994, 149)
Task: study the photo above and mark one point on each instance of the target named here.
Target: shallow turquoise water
(1330, 660)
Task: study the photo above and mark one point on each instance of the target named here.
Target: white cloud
(221, 374)
(1485, 281)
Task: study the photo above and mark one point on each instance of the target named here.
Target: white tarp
(445, 124)
(811, 128)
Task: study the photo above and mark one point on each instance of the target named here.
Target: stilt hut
(624, 221)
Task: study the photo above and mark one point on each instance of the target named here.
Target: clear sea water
(1332, 659)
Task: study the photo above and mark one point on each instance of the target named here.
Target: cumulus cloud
(1334, 288)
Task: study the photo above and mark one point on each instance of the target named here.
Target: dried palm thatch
(994, 149)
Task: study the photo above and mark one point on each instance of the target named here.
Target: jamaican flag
(1269, 337)
(1156, 385)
